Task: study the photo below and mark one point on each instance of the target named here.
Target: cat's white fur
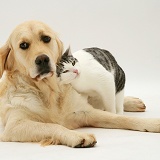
(94, 82)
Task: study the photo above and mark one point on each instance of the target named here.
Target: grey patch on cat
(106, 59)
(59, 68)
(66, 58)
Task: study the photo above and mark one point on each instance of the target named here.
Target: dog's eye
(46, 39)
(24, 45)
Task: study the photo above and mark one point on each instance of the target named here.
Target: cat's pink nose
(75, 71)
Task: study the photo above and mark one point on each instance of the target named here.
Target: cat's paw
(133, 104)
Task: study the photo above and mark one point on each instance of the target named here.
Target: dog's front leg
(97, 118)
(19, 129)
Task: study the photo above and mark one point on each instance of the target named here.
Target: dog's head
(33, 49)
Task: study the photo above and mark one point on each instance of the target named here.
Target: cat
(94, 73)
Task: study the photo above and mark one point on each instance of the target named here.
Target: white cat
(95, 74)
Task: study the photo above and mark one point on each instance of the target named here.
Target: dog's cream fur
(38, 108)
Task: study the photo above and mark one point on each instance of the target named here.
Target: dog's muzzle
(43, 67)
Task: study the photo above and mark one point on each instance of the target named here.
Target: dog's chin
(39, 77)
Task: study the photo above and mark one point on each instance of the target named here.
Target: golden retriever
(35, 107)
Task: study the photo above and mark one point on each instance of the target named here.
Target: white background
(129, 29)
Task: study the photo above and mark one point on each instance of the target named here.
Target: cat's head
(68, 68)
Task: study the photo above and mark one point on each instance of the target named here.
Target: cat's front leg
(103, 102)
(119, 102)
(106, 93)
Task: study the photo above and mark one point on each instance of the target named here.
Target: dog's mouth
(44, 75)
(42, 71)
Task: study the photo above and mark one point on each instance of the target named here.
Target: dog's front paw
(88, 141)
(132, 104)
(82, 140)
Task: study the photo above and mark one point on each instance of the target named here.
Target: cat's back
(82, 56)
(88, 63)
(102, 63)
(92, 75)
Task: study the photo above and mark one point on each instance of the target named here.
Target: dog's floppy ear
(6, 58)
(60, 48)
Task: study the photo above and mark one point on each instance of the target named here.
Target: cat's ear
(68, 52)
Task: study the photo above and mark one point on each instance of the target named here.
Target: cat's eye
(46, 39)
(65, 71)
(73, 63)
(24, 45)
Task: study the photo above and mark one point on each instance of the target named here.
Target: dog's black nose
(42, 60)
